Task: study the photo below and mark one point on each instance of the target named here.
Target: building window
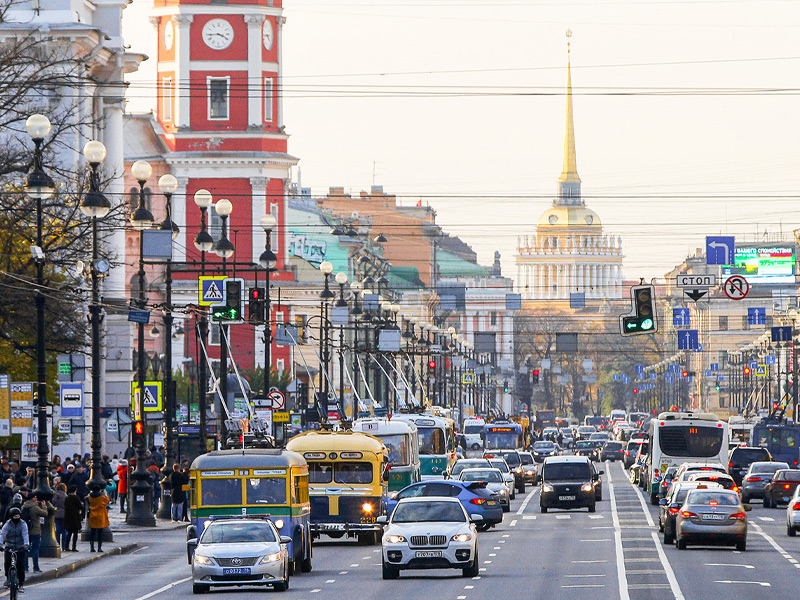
(280, 365)
(213, 334)
(218, 98)
(273, 241)
(279, 317)
(214, 224)
(723, 323)
(493, 318)
(269, 98)
(166, 99)
(745, 322)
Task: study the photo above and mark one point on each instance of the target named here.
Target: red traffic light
(685, 374)
(747, 370)
(431, 364)
(138, 428)
(774, 406)
(255, 294)
(536, 372)
(635, 390)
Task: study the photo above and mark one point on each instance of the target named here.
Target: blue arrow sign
(782, 334)
(770, 359)
(757, 316)
(681, 317)
(688, 339)
(626, 379)
(714, 367)
(720, 250)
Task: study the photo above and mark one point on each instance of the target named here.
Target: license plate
(491, 502)
(429, 554)
(566, 498)
(713, 517)
(786, 498)
(236, 571)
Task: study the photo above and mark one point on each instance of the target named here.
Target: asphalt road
(614, 553)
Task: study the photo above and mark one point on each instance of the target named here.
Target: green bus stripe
(273, 511)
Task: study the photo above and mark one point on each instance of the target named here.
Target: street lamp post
(326, 268)
(204, 243)
(40, 186)
(96, 206)
(224, 249)
(268, 260)
(140, 494)
(341, 280)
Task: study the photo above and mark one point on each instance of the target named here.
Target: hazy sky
(686, 112)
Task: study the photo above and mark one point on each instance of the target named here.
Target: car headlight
(279, 523)
(529, 472)
(394, 539)
(203, 560)
(547, 488)
(461, 537)
(367, 507)
(274, 557)
(587, 487)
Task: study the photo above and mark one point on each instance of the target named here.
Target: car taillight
(735, 489)
(730, 464)
(796, 506)
(687, 514)
(673, 510)
(786, 486)
(740, 516)
(478, 501)
(627, 452)
(754, 479)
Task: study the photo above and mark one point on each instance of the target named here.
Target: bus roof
(330, 441)
(423, 420)
(249, 458)
(685, 416)
(384, 426)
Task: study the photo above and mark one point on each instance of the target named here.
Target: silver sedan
(712, 516)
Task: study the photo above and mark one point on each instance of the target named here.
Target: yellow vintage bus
(347, 479)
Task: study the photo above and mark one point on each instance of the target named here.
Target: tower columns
(254, 71)
(183, 92)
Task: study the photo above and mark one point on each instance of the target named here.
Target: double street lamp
(268, 260)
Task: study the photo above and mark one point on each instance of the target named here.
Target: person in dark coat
(6, 494)
(73, 516)
(177, 494)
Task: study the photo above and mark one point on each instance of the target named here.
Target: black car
(514, 462)
(585, 448)
(741, 457)
(542, 450)
(598, 483)
(612, 451)
(568, 482)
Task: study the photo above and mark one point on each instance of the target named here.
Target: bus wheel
(305, 564)
(654, 499)
(335, 534)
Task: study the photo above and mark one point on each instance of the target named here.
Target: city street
(615, 553)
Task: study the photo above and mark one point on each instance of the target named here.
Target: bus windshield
(690, 441)
(266, 490)
(470, 429)
(399, 450)
(431, 440)
(775, 438)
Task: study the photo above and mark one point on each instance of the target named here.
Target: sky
(685, 113)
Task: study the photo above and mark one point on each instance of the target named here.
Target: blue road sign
(652, 375)
(615, 377)
(688, 339)
(681, 317)
(769, 359)
(714, 367)
(707, 372)
(152, 396)
(638, 368)
(782, 334)
(670, 379)
(761, 370)
(752, 364)
(212, 290)
(720, 249)
(757, 316)
(626, 379)
(72, 400)
(139, 316)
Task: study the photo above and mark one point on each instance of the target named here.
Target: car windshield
(471, 429)
(490, 475)
(266, 490)
(353, 472)
(499, 464)
(584, 444)
(237, 533)
(563, 471)
(768, 467)
(467, 464)
(428, 511)
(526, 459)
(587, 429)
(704, 498)
(690, 440)
(789, 475)
(613, 446)
(543, 446)
(431, 440)
(512, 459)
(749, 455)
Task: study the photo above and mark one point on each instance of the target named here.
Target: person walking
(33, 512)
(6, 494)
(122, 484)
(177, 494)
(59, 501)
(98, 518)
(14, 537)
(73, 517)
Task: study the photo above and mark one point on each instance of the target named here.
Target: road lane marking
(342, 572)
(644, 509)
(492, 554)
(729, 565)
(767, 519)
(505, 535)
(596, 517)
(591, 575)
(673, 581)
(316, 590)
(487, 562)
(513, 523)
(563, 516)
(169, 586)
(496, 548)
(524, 504)
(331, 581)
(622, 579)
(469, 587)
(585, 585)
(476, 578)
(461, 597)
(528, 517)
(365, 557)
(761, 583)
(353, 565)
(599, 540)
(582, 562)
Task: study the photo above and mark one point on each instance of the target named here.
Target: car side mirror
(663, 502)
(191, 546)
(601, 472)
(285, 539)
(747, 508)
(476, 518)
(382, 519)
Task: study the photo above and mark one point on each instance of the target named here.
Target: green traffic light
(647, 324)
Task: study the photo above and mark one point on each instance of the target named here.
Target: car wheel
(654, 499)
(741, 546)
(542, 509)
(521, 488)
(389, 572)
(681, 544)
(199, 588)
(483, 527)
(513, 496)
(745, 498)
(660, 526)
(282, 586)
(667, 537)
(474, 569)
(767, 502)
(506, 508)
(476, 446)
(592, 508)
(791, 531)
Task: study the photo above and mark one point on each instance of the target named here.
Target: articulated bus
(437, 443)
(402, 442)
(679, 437)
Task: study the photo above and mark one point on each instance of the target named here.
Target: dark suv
(568, 482)
(742, 457)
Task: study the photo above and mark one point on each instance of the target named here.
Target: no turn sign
(736, 287)
(278, 399)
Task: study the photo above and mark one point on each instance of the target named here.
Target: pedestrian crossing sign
(152, 396)
(211, 290)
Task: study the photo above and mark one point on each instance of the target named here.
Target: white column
(259, 209)
(255, 117)
(593, 279)
(550, 274)
(181, 87)
(179, 217)
(280, 21)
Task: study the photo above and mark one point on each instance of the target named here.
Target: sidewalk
(53, 568)
(117, 522)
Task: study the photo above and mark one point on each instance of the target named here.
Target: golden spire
(569, 169)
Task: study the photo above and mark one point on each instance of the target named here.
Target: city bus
(503, 435)
(268, 483)
(346, 481)
(616, 415)
(781, 439)
(638, 418)
(679, 437)
(437, 443)
(473, 432)
(402, 443)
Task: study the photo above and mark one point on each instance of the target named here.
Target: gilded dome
(569, 216)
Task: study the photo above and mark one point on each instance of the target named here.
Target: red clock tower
(219, 108)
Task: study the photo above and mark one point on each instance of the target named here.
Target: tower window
(218, 98)
(269, 96)
(166, 99)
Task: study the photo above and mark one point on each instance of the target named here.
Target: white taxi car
(430, 533)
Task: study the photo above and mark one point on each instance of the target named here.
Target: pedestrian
(177, 494)
(14, 537)
(105, 467)
(66, 478)
(122, 485)
(153, 470)
(73, 517)
(79, 480)
(59, 500)
(33, 513)
(6, 495)
(98, 518)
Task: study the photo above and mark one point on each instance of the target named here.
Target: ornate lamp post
(341, 280)
(326, 268)
(224, 249)
(268, 260)
(204, 243)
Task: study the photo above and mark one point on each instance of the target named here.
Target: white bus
(473, 432)
(616, 415)
(679, 437)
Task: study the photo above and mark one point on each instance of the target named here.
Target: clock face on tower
(267, 35)
(169, 35)
(218, 34)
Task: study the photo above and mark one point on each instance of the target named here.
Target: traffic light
(635, 390)
(747, 370)
(233, 309)
(685, 374)
(505, 386)
(642, 318)
(256, 314)
(774, 406)
(535, 377)
(716, 386)
(138, 434)
(431, 364)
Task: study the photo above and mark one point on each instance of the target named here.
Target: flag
(419, 202)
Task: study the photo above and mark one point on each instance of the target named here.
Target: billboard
(764, 264)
